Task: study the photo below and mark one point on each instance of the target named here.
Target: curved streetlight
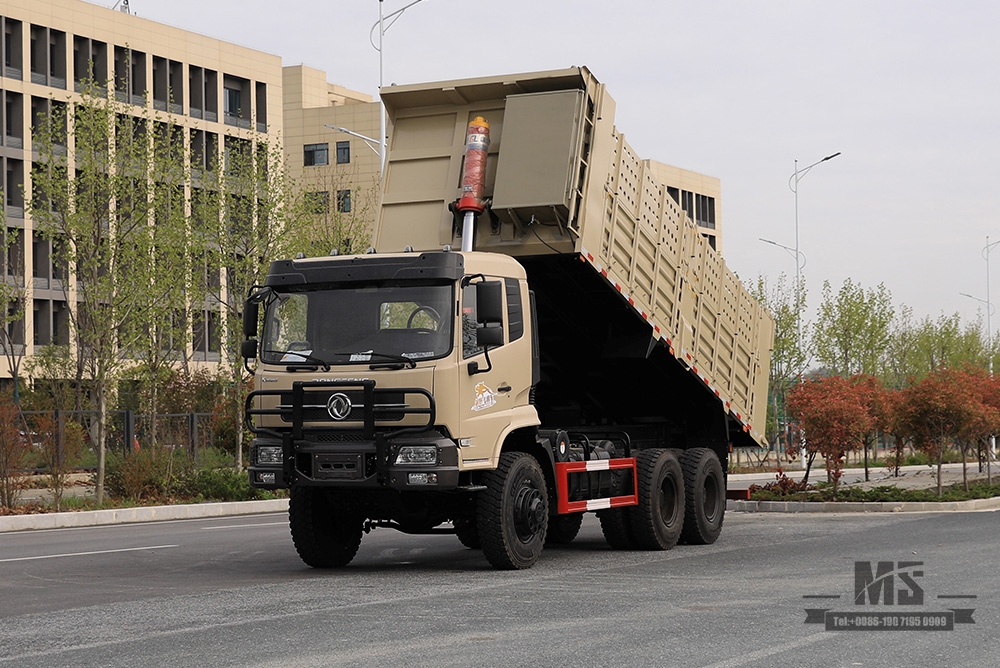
(370, 142)
(793, 185)
(382, 28)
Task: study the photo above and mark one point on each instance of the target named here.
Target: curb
(862, 507)
(89, 518)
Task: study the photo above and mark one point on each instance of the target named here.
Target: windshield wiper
(396, 359)
(304, 363)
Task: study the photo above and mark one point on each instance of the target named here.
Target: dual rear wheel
(682, 498)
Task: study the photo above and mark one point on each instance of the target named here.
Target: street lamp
(793, 185)
(369, 141)
(382, 28)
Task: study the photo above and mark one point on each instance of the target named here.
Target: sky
(906, 90)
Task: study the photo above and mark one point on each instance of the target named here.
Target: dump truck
(539, 331)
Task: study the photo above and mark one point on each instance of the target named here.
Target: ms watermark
(890, 596)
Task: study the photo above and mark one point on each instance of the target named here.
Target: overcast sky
(907, 90)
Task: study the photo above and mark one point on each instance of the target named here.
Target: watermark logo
(889, 596)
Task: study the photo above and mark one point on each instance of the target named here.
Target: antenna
(124, 8)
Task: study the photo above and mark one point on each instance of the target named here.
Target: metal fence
(128, 431)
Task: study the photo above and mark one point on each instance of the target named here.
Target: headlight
(417, 454)
(268, 454)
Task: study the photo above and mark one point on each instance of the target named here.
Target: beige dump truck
(538, 333)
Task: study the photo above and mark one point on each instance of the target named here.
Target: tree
(95, 202)
(13, 450)
(899, 362)
(944, 344)
(852, 329)
(938, 411)
(876, 399)
(788, 357)
(13, 297)
(834, 415)
(243, 217)
(336, 211)
(158, 325)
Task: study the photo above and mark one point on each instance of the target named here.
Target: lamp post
(793, 185)
(382, 28)
(989, 315)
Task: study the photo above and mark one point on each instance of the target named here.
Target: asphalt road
(232, 592)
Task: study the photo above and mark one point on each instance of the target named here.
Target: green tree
(96, 201)
(158, 326)
(945, 344)
(788, 357)
(851, 333)
(900, 359)
(243, 217)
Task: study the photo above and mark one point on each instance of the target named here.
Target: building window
(344, 201)
(316, 154)
(343, 152)
(318, 203)
(705, 211)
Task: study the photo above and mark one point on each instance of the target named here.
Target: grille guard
(373, 411)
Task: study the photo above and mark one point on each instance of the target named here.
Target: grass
(887, 493)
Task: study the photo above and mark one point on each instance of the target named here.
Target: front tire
(659, 518)
(323, 537)
(705, 495)
(468, 533)
(512, 512)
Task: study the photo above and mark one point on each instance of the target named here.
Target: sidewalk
(911, 477)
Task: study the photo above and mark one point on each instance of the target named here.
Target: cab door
(495, 380)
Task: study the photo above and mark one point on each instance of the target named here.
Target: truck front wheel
(705, 491)
(322, 537)
(512, 512)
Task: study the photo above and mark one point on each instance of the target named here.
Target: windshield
(359, 325)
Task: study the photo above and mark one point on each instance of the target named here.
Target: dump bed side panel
(561, 179)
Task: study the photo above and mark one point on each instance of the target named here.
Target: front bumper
(359, 464)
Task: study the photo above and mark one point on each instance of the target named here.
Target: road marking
(87, 554)
(753, 657)
(244, 526)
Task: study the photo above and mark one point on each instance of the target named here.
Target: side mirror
(251, 313)
(489, 337)
(489, 302)
(248, 349)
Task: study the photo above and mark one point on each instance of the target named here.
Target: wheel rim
(711, 497)
(529, 511)
(668, 501)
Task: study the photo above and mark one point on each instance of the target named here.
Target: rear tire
(322, 537)
(512, 512)
(616, 526)
(705, 495)
(563, 528)
(659, 518)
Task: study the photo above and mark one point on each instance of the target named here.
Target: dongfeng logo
(339, 406)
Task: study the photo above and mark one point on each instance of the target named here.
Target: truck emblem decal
(485, 397)
(339, 406)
